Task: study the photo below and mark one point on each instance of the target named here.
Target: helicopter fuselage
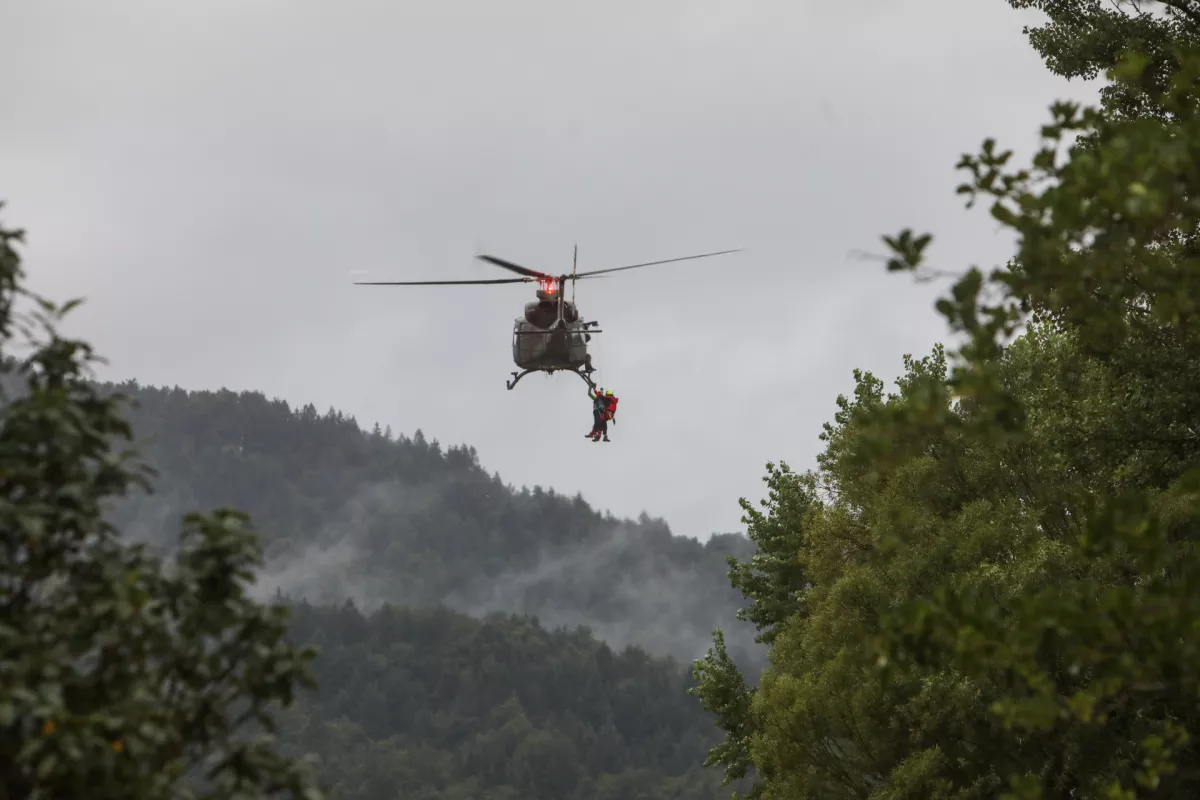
(551, 336)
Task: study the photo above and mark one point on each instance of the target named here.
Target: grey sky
(212, 175)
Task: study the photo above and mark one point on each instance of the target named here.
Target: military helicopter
(551, 336)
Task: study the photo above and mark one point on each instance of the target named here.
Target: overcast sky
(211, 176)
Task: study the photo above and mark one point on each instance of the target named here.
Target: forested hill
(435, 705)
(347, 514)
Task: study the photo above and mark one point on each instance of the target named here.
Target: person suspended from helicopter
(607, 411)
(599, 407)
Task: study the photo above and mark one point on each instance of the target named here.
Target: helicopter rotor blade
(653, 263)
(442, 283)
(511, 267)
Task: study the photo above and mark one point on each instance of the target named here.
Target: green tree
(990, 577)
(120, 676)
(1096, 663)
(1085, 38)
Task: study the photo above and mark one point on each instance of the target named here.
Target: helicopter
(551, 336)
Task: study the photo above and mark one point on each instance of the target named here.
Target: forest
(379, 518)
(431, 704)
(382, 547)
(984, 588)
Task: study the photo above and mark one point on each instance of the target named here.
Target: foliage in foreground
(120, 676)
(987, 586)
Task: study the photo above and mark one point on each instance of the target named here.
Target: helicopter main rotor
(531, 275)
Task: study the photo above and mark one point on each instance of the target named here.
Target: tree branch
(1185, 7)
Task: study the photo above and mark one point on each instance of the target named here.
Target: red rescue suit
(610, 410)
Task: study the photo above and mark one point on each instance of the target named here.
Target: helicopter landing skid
(518, 375)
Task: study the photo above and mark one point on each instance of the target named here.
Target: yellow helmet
(609, 393)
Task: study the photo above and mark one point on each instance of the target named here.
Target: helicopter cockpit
(544, 312)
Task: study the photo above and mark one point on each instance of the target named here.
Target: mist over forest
(362, 515)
